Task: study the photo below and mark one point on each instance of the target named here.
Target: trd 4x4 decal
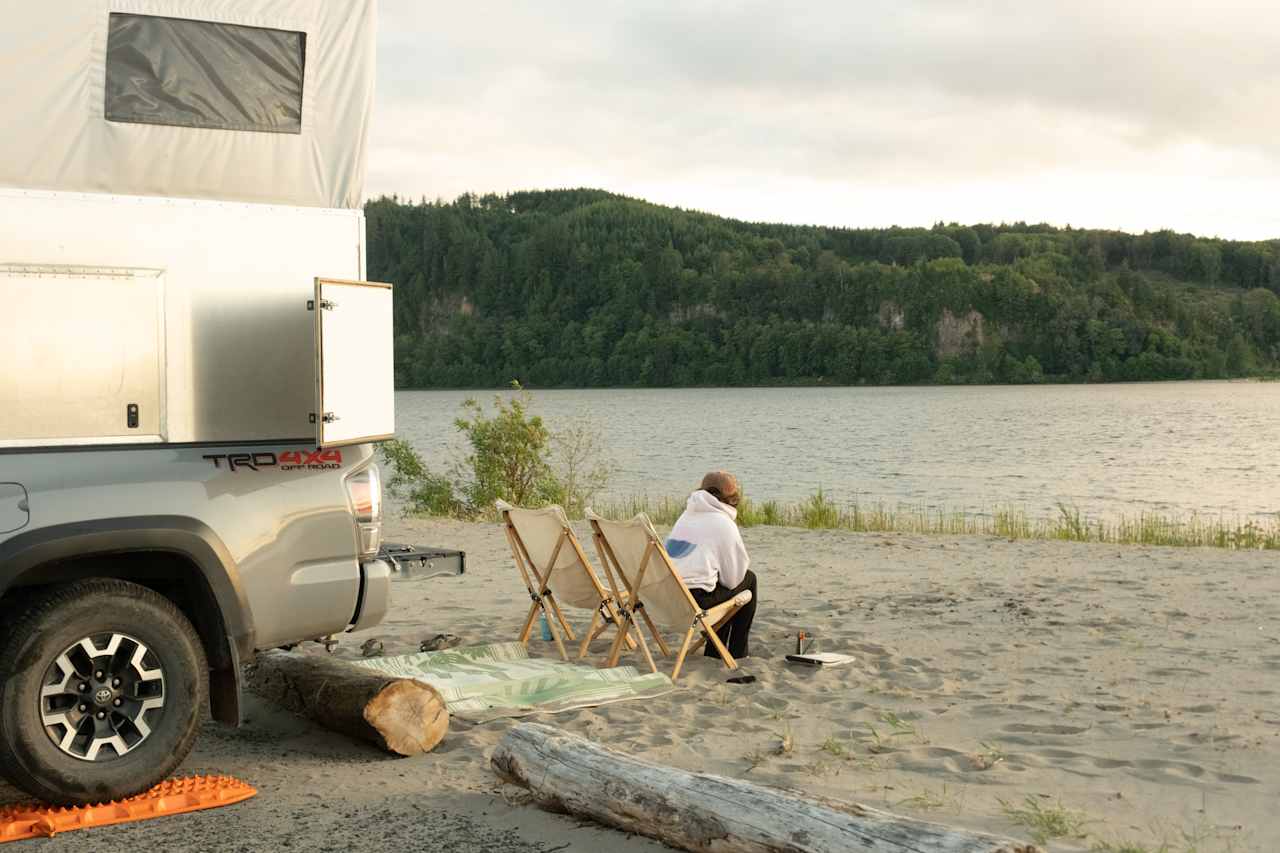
(287, 460)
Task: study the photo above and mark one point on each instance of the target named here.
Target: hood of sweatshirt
(704, 501)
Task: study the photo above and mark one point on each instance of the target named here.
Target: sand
(1136, 687)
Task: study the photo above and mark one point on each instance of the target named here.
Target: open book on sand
(821, 659)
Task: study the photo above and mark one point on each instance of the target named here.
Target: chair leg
(590, 635)
(644, 647)
(528, 622)
(615, 616)
(611, 621)
(624, 628)
(714, 639)
(555, 605)
(684, 650)
(555, 632)
(702, 639)
(655, 633)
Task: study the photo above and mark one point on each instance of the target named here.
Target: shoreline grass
(819, 512)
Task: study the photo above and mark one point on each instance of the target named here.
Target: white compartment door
(355, 393)
(81, 355)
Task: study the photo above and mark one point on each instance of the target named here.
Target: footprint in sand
(1161, 771)
(1170, 672)
(931, 760)
(1056, 729)
(1004, 708)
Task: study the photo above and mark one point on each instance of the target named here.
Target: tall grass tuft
(663, 511)
(768, 514)
(819, 513)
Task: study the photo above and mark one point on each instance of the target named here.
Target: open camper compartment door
(355, 371)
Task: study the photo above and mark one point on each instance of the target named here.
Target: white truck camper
(181, 237)
(193, 370)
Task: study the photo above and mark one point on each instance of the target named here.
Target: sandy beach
(1136, 687)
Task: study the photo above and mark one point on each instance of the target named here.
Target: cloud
(1136, 115)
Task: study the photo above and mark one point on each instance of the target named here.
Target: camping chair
(556, 570)
(634, 551)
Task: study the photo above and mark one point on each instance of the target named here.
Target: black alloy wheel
(102, 686)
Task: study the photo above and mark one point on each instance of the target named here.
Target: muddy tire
(102, 683)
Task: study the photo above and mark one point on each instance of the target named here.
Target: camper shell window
(204, 74)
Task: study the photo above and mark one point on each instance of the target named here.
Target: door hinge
(325, 304)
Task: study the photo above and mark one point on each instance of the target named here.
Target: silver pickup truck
(193, 370)
(134, 582)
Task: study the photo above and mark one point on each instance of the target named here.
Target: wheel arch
(179, 557)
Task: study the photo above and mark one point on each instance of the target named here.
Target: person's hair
(722, 486)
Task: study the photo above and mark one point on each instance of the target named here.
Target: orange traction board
(174, 796)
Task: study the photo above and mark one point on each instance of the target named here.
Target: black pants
(734, 633)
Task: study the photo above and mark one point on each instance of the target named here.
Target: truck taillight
(364, 489)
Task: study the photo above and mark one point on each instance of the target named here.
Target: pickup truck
(133, 583)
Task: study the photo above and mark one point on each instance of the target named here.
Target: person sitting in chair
(707, 550)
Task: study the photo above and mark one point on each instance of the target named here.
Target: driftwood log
(402, 716)
(700, 812)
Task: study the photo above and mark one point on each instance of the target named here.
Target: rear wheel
(101, 686)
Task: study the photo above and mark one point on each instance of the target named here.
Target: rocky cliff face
(958, 335)
(891, 316)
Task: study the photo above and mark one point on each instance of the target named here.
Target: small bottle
(546, 629)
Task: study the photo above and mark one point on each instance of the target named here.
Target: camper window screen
(204, 74)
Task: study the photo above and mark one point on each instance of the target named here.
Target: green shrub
(410, 479)
(580, 471)
(509, 454)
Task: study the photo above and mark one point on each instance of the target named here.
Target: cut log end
(400, 715)
(410, 717)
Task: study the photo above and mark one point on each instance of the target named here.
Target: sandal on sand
(438, 642)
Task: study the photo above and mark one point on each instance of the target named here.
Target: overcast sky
(1131, 114)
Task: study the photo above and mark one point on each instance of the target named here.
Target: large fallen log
(402, 716)
(701, 812)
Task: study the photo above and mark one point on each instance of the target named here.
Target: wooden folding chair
(554, 569)
(634, 551)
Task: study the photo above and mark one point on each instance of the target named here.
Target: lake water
(1206, 447)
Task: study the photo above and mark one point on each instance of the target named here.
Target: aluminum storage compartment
(83, 355)
(197, 311)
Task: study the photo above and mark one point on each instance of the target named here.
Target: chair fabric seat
(556, 573)
(634, 553)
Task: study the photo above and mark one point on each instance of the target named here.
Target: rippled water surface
(1207, 447)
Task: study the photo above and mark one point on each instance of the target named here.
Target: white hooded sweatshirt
(705, 545)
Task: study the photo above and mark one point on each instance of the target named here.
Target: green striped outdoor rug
(500, 680)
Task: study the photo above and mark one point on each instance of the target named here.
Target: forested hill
(585, 288)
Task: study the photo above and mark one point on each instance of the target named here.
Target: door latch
(325, 304)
